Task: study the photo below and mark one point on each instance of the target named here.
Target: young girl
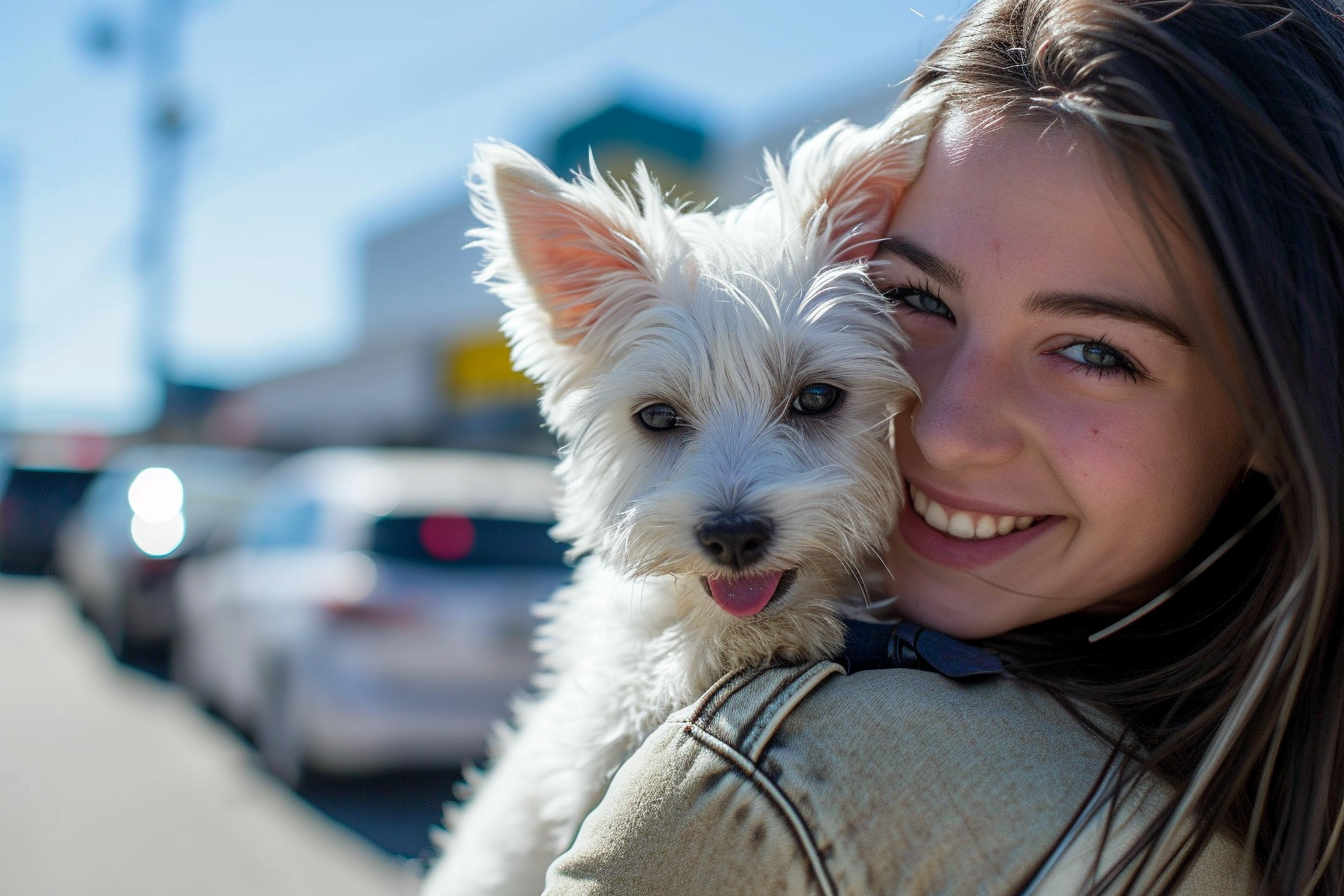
(1121, 272)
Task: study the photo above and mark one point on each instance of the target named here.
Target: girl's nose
(966, 416)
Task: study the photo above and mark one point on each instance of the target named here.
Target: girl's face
(1073, 437)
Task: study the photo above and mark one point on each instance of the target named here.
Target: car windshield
(458, 541)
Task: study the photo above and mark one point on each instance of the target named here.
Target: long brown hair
(1226, 117)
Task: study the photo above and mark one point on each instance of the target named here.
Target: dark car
(36, 502)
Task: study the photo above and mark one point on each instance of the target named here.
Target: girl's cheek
(1102, 455)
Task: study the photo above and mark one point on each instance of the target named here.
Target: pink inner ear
(863, 201)
(566, 252)
(861, 242)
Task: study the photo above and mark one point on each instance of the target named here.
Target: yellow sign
(476, 370)
(677, 180)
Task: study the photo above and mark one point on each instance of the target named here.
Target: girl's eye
(659, 417)
(920, 300)
(817, 398)
(1101, 358)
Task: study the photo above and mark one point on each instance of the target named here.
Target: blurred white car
(372, 610)
(149, 507)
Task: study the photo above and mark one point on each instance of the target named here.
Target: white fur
(618, 300)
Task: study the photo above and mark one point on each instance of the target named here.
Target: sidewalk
(113, 783)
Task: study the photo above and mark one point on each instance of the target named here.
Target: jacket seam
(703, 711)
(776, 797)
(767, 720)
(785, 692)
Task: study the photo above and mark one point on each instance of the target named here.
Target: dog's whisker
(881, 559)
(853, 571)
(881, 425)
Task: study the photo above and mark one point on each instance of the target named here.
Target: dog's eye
(659, 417)
(817, 398)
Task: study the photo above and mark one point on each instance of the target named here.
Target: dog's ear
(848, 180)
(560, 245)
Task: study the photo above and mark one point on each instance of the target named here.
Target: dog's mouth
(748, 595)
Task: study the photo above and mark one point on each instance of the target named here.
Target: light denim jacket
(804, 780)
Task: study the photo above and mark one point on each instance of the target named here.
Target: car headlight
(156, 498)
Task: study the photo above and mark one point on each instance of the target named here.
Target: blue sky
(317, 121)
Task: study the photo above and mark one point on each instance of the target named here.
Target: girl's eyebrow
(1062, 304)
(926, 261)
(1083, 305)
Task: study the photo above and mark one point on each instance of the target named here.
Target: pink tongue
(745, 597)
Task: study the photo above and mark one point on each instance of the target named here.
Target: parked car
(149, 508)
(372, 607)
(36, 503)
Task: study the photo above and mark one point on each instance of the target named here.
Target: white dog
(722, 386)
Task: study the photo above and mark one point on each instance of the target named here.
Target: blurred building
(431, 367)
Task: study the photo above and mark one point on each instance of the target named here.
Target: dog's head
(722, 384)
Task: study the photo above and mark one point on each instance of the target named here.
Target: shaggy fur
(618, 301)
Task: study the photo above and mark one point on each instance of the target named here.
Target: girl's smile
(947, 533)
(1074, 436)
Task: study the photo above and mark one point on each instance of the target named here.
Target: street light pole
(165, 131)
(165, 126)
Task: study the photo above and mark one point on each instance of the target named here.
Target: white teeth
(936, 516)
(963, 523)
(960, 525)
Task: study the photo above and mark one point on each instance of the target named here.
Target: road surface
(112, 782)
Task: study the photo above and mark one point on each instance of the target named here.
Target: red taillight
(447, 537)
(156, 569)
(375, 614)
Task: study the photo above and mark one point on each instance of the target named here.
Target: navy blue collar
(904, 645)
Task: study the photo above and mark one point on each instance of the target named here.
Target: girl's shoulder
(807, 780)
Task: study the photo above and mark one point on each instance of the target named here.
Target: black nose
(735, 540)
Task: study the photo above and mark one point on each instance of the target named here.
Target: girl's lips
(912, 490)
(962, 553)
